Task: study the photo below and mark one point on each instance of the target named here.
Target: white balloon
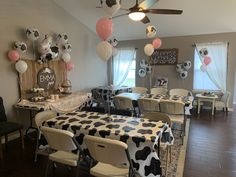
(32, 33)
(104, 50)
(187, 65)
(114, 51)
(151, 31)
(179, 68)
(203, 68)
(20, 46)
(111, 6)
(183, 74)
(143, 63)
(148, 49)
(66, 57)
(21, 66)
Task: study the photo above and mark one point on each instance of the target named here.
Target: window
(214, 78)
(130, 80)
(123, 67)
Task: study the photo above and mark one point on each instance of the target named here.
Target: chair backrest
(141, 90)
(179, 92)
(106, 150)
(172, 107)
(158, 116)
(148, 105)
(226, 97)
(159, 90)
(43, 116)
(58, 139)
(3, 116)
(123, 103)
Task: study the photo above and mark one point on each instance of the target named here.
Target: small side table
(205, 98)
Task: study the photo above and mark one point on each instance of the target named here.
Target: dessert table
(142, 135)
(68, 103)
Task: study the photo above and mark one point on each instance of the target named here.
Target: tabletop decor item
(66, 87)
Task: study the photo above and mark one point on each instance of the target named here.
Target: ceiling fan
(139, 10)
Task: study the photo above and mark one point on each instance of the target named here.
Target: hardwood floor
(211, 148)
(211, 151)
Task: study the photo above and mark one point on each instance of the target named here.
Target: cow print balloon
(62, 38)
(113, 41)
(187, 65)
(20, 47)
(179, 68)
(151, 31)
(32, 33)
(67, 47)
(183, 74)
(111, 6)
(203, 52)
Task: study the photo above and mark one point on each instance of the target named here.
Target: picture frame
(164, 57)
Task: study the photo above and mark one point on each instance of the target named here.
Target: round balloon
(151, 31)
(183, 74)
(207, 60)
(21, 66)
(104, 28)
(62, 38)
(113, 41)
(104, 50)
(111, 6)
(149, 69)
(179, 68)
(69, 66)
(187, 65)
(156, 43)
(143, 63)
(66, 57)
(20, 46)
(203, 52)
(142, 72)
(32, 33)
(148, 49)
(203, 68)
(67, 47)
(13, 55)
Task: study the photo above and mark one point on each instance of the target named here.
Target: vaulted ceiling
(199, 17)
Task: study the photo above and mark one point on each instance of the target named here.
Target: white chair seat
(177, 118)
(220, 104)
(67, 158)
(107, 170)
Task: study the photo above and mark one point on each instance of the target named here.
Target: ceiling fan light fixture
(136, 16)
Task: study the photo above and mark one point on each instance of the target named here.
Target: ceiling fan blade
(163, 11)
(145, 20)
(147, 4)
(120, 15)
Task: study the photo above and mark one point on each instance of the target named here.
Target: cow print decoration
(32, 33)
(20, 46)
(141, 135)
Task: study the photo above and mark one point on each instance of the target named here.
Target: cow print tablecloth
(141, 135)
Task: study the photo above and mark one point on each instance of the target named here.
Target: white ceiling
(199, 17)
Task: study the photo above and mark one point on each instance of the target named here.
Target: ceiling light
(136, 16)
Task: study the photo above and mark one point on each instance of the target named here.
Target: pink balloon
(156, 43)
(13, 55)
(207, 60)
(69, 66)
(104, 28)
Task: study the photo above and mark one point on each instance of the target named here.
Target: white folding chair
(224, 102)
(148, 105)
(39, 119)
(179, 92)
(64, 143)
(124, 103)
(176, 112)
(141, 90)
(112, 156)
(159, 90)
(158, 116)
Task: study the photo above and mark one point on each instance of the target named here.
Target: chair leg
(170, 153)
(22, 138)
(1, 150)
(6, 140)
(47, 167)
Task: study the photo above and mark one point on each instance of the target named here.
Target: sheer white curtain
(121, 64)
(217, 69)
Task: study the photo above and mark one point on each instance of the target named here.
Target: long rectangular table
(187, 100)
(141, 135)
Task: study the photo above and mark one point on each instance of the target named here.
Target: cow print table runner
(141, 135)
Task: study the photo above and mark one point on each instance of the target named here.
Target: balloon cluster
(14, 56)
(146, 68)
(151, 32)
(104, 28)
(206, 59)
(182, 69)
